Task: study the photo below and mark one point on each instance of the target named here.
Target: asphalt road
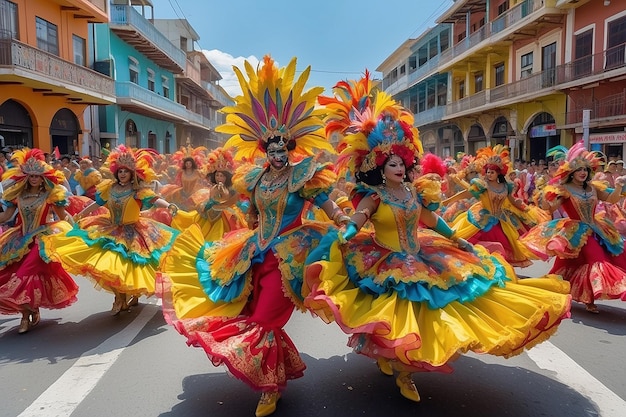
(81, 362)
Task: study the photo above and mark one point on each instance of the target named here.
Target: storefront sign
(543, 130)
(616, 137)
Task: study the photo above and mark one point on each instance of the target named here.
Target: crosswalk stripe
(62, 397)
(549, 357)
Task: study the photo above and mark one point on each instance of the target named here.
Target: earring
(384, 178)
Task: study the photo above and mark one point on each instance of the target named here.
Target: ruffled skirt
(233, 300)
(121, 258)
(26, 281)
(420, 311)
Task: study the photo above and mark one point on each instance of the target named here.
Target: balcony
(521, 21)
(219, 97)
(52, 76)
(94, 11)
(134, 98)
(134, 29)
(604, 65)
(610, 108)
(429, 116)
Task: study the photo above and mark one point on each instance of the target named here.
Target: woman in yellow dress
(232, 297)
(119, 251)
(414, 298)
(27, 283)
(188, 179)
(218, 207)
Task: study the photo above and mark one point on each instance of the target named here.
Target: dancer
(588, 248)
(120, 252)
(27, 283)
(233, 297)
(188, 179)
(408, 297)
(495, 221)
(217, 211)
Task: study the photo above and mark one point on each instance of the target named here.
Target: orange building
(46, 80)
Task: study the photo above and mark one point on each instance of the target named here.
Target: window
(526, 64)
(412, 63)
(78, 44)
(8, 20)
(433, 48)
(431, 95)
(165, 82)
(444, 40)
(478, 82)
(583, 44)
(499, 69)
(461, 90)
(503, 7)
(442, 93)
(47, 36)
(133, 70)
(421, 100)
(403, 70)
(422, 55)
(615, 43)
(183, 43)
(150, 80)
(461, 36)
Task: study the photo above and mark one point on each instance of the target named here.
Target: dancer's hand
(465, 245)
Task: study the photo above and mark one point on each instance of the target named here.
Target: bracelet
(173, 209)
(364, 211)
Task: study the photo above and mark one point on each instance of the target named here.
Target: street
(81, 362)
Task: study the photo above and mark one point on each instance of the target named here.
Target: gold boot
(24, 325)
(385, 366)
(407, 387)
(267, 403)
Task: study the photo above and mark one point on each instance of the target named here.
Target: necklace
(31, 195)
(392, 192)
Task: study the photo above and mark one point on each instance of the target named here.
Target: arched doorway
(476, 139)
(152, 140)
(16, 126)
(64, 130)
(543, 135)
(501, 131)
(452, 141)
(131, 134)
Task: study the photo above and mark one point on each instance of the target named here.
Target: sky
(339, 39)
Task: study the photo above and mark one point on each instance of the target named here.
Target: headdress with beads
(273, 105)
(494, 157)
(137, 160)
(219, 160)
(571, 160)
(29, 162)
(373, 126)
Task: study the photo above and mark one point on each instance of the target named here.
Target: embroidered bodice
(396, 222)
(123, 206)
(496, 197)
(581, 205)
(33, 212)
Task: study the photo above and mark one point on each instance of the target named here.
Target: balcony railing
(150, 100)
(217, 94)
(611, 106)
(429, 116)
(467, 103)
(127, 16)
(593, 65)
(507, 20)
(60, 73)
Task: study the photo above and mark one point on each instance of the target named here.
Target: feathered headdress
(139, 161)
(576, 157)
(496, 157)
(219, 160)
(373, 126)
(197, 154)
(29, 162)
(273, 105)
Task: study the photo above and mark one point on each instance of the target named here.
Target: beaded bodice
(497, 194)
(122, 205)
(32, 211)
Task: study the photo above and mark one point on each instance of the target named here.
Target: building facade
(516, 72)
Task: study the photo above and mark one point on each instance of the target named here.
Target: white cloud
(224, 62)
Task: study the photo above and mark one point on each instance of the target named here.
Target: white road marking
(62, 397)
(566, 370)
